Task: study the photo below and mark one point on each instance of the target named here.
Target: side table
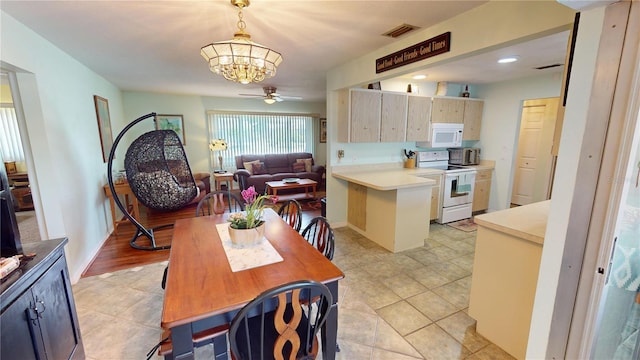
(219, 178)
(130, 202)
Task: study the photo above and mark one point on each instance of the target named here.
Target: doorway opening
(13, 152)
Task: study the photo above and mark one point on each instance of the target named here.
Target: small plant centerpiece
(247, 227)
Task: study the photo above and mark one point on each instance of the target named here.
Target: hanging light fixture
(241, 60)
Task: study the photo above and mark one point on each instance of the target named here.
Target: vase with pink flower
(247, 228)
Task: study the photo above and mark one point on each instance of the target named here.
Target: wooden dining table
(202, 292)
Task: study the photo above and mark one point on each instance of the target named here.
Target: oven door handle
(458, 194)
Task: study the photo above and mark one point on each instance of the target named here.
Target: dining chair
(280, 322)
(214, 203)
(319, 234)
(291, 213)
(241, 178)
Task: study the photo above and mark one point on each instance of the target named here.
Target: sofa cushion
(259, 169)
(299, 167)
(277, 163)
(248, 165)
(307, 164)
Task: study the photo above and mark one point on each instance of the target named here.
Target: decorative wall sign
(172, 122)
(104, 125)
(426, 49)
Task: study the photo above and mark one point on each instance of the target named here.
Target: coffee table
(274, 186)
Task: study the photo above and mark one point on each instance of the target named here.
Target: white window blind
(10, 143)
(260, 134)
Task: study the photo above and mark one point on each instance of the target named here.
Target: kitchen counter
(387, 179)
(528, 222)
(505, 274)
(390, 206)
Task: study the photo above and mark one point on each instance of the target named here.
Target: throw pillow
(259, 168)
(307, 163)
(299, 167)
(249, 165)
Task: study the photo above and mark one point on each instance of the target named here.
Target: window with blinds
(260, 134)
(10, 143)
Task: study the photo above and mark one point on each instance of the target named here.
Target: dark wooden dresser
(38, 318)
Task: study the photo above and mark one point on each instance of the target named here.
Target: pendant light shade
(240, 59)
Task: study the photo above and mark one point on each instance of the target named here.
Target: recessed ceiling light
(419, 77)
(509, 59)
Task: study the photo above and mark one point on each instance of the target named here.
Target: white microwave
(444, 135)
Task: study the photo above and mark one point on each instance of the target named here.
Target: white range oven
(457, 189)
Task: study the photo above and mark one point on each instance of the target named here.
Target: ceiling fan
(271, 96)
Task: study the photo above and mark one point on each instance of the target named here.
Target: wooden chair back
(218, 202)
(291, 213)
(319, 234)
(281, 323)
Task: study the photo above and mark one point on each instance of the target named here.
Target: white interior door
(533, 159)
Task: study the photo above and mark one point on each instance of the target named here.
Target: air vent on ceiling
(548, 66)
(400, 30)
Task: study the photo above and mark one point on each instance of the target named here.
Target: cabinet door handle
(40, 311)
(32, 314)
(37, 309)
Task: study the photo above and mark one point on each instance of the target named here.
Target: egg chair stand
(159, 176)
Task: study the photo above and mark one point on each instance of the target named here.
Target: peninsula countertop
(528, 222)
(388, 179)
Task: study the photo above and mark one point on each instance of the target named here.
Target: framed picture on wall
(172, 122)
(323, 130)
(104, 125)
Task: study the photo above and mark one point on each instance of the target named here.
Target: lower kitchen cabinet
(482, 189)
(38, 319)
(436, 202)
(357, 209)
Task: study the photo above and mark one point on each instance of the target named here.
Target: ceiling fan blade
(277, 98)
(256, 95)
(291, 97)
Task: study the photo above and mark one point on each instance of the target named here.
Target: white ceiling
(154, 46)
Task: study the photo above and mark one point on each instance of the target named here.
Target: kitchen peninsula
(505, 274)
(389, 206)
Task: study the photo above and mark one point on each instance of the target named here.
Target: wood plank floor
(117, 254)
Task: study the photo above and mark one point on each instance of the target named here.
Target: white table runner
(247, 258)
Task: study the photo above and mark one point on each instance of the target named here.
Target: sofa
(256, 170)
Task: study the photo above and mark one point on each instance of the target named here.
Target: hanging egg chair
(159, 176)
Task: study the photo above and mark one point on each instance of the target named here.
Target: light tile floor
(409, 305)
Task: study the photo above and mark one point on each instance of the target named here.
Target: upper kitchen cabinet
(372, 116)
(472, 119)
(461, 111)
(393, 120)
(359, 119)
(447, 110)
(418, 115)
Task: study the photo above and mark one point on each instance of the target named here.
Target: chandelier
(241, 60)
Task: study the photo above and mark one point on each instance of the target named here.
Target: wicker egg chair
(158, 173)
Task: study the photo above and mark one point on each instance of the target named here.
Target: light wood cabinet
(459, 111)
(436, 202)
(482, 189)
(357, 206)
(365, 116)
(447, 110)
(393, 118)
(371, 116)
(418, 118)
(472, 119)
